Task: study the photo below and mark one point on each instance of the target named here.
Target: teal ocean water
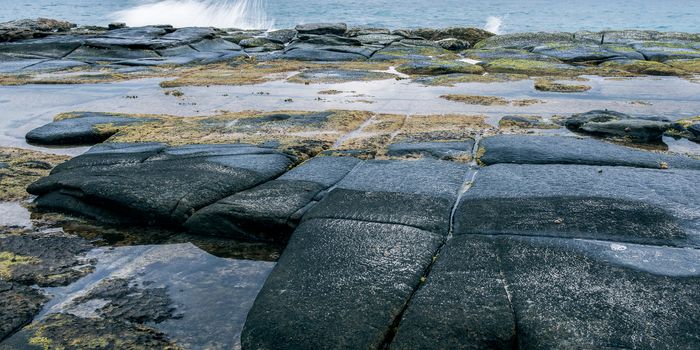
(504, 16)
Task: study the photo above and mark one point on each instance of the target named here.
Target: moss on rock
(20, 167)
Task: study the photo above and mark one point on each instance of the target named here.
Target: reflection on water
(212, 295)
(13, 214)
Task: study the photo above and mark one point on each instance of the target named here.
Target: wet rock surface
(196, 176)
(618, 125)
(86, 128)
(525, 149)
(18, 305)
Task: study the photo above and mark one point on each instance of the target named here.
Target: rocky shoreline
(395, 231)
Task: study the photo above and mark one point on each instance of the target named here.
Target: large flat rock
(463, 304)
(80, 129)
(527, 149)
(339, 284)
(612, 203)
(501, 292)
(352, 265)
(272, 210)
(148, 183)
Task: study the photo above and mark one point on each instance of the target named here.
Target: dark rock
(322, 28)
(465, 34)
(463, 304)
(126, 300)
(635, 129)
(327, 40)
(622, 204)
(440, 150)
(658, 51)
(526, 149)
(80, 129)
(339, 284)
(576, 121)
(18, 305)
(272, 210)
(321, 55)
(254, 42)
(591, 294)
(152, 184)
(282, 36)
(94, 54)
(439, 67)
(189, 35)
(586, 53)
(360, 31)
(209, 45)
(29, 28)
(116, 25)
(53, 47)
(44, 259)
(694, 131)
(66, 331)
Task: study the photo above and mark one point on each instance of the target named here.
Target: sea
(504, 16)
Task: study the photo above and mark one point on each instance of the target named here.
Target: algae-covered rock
(646, 67)
(18, 305)
(532, 67)
(524, 41)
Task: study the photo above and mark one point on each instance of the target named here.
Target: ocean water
(503, 16)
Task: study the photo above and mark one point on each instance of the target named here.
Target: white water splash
(493, 24)
(241, 14)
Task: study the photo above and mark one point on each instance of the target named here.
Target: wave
(493, 24)
(242, 14)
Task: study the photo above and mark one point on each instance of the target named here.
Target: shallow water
(30, 106)
(13, 214)
(515, 15)
(212, 295)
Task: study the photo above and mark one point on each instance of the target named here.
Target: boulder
(663, 51)
(151, 183)
(272, 210)
(322, 28)
(529, 149)
(81, 128)
(282, 36)
(254, 42)
(399, 51)
(576, 121)
(638, 130)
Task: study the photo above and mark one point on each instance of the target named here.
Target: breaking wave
(242, 14)
(493, 24)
